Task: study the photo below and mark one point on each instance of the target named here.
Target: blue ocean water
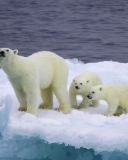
(91, 31)
(24, 148)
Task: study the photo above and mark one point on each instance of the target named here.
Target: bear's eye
(100, 89)
(7, 50)
(88, 81)
(93, 92)
(80, 83)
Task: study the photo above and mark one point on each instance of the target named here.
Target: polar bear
(40, 74)
(116, 95)
(80, 86)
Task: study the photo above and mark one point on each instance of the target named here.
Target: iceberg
(82, 134)
(5, 107)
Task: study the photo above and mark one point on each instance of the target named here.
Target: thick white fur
(40, 74)
(116, 95)
(83, 82)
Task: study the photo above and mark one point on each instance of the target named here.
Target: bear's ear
(101, 89)
(87, 81)
(15, 51)
(73, 80)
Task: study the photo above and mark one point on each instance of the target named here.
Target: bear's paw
(45, 106)
(64, 108)
(22, 108)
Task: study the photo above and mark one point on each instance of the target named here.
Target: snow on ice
(84, 128)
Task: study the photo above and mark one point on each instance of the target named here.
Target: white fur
(116, 95)
(83, 82)
(40, 74)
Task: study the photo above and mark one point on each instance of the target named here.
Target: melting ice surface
(81, 134)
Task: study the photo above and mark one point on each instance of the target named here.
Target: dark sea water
(90, 30)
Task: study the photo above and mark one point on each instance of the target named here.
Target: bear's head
(6, 53)
(81, 85)
(96, 92)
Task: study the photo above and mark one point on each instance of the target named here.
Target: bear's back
(118, 89)
(47, 57)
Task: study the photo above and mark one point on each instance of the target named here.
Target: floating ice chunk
(74, 61)
(2, 101)
(5, 107)
(53, 132)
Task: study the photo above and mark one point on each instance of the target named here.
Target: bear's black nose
(2, 54)
(89, 96)
(76, 87)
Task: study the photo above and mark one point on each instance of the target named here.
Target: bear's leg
(94, 103)
(33, 97)
(84, 103)
(59, 86)
(22, 99)
(62, 96)
(118, 112)
(73, 100)
(47, 98)
(112, 108)
(126, 107)
(19, 94)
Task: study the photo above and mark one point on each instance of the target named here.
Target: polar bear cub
(40, 74)
(116, 95)
(80, 86)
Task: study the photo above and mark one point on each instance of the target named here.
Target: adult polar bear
(116, 95)
(41, 73)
